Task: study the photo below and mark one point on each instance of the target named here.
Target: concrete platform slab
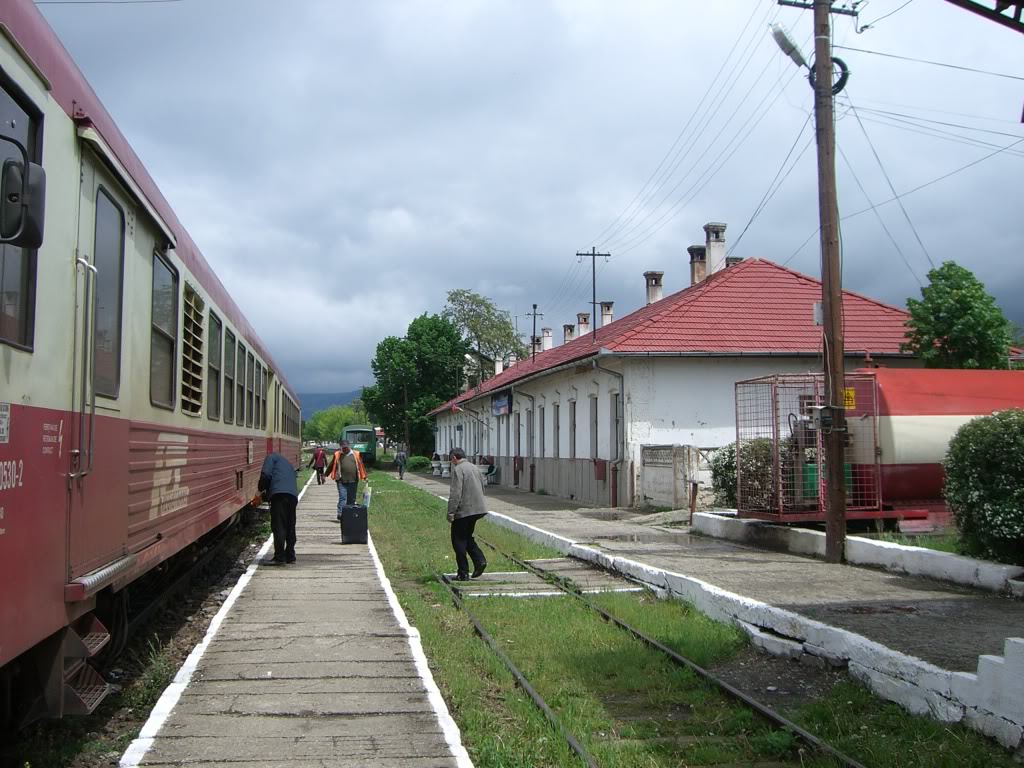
(311, 664)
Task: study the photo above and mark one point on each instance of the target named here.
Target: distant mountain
(311, 403)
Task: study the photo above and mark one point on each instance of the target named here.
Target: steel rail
(520, 678)
(763, 709)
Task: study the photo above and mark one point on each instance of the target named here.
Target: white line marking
(169, 698)
(448, 725)
(551, 594)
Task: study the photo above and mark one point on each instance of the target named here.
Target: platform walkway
(947, 625)
(309, 667)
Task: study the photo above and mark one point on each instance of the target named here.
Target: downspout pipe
(533, 410)
(616, 464)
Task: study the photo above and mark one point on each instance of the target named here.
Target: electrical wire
(874, 208)
(888, 180)
(769, 193)
(938, 122)
(704, 122)
(922, 130)
(103, 2)
(679, 137)
(933, 63)
(918, 188)
(872, 24)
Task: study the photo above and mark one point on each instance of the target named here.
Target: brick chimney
(732, 261)
(568, 333)
(607, 314)
(499, 366)
(535, 341)
(653, 280)
(715, 245)
(547, 341)
(513, 358)
(583, 323)
(698, 263)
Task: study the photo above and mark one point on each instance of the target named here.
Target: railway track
(569, 588)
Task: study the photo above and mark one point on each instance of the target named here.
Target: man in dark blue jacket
(278, 480)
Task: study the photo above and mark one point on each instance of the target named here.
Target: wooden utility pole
(834, 436)
(593, 285)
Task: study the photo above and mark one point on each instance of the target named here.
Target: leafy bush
(985, 485)
(757, 461)
(417, 463)
(723, 475)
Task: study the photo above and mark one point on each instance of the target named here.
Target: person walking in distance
(346, 469)
(278, 481)
(466, 505)
(319, 463)
(400, 459)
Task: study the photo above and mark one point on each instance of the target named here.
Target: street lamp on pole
(820, 77)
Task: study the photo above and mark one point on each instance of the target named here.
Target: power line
(889, 182)
(880, 18)
(683, 151)
(769, 193)
(874, 208)
(939, 122)
(721, 69)
(936, 133)
(103, 2)
(933, 63)
(909, 192)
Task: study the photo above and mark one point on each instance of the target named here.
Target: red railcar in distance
(136, 402)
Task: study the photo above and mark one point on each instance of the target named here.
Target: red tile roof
(754, 307)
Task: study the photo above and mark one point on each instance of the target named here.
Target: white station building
(574, 420)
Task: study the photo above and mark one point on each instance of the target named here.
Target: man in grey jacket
(466, 505)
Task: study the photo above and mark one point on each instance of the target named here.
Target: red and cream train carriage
(136, 401)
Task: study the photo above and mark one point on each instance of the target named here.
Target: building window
(556, 431)
(192, 331)
(108, 257)
(593, 426)
(213, 368)
(519, 429)
(17, 265)
(615, 422)
(572, 429)
(164, 333)
(249, 372)
(508, 434)
(540, 428)
(240, 386)
(529, 432)
(229, 377)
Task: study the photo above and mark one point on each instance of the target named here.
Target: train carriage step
(84, 691)
(86, 638)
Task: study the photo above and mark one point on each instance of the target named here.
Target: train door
(98, 528)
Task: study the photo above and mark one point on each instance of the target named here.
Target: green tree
(415, 374)
(326, 425)
(956, 323)
(487, 329)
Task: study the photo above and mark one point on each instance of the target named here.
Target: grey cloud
(339, 160)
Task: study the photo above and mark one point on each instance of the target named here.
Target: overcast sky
(347, 163)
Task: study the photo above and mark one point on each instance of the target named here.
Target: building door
(99, 459)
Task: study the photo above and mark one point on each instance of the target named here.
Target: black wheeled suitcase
(353, 524)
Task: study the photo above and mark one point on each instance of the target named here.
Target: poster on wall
(501, 403)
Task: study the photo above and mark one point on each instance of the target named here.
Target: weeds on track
(628, 705)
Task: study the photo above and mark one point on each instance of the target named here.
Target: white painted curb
(991, 701)
(449, 727)
(898, 558)
(169, 698)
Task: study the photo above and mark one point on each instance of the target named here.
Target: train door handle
(88, 370)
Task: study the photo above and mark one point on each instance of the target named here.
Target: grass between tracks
(627, 704)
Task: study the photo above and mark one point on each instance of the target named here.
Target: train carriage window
(192, 332)
(264, 417)
(17, 265)
(108, 256)
(248, 390)
(259, 394)
(229, 377)
(213, 368)
(240, 387)
(164, 333)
